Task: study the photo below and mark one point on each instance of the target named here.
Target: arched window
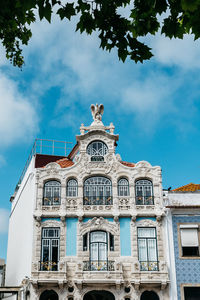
(123, 187)
(97, 191)
(144, 192)
(49, 294)
(97, 150)
(149, 295)
(98, 243)
(72, 188)
(51, 194)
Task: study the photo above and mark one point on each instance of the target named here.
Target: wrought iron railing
(149, 266)
(98, 265)
(99, 200)
(51, 201)
(44, 146)
(144, 200)
(48, 265)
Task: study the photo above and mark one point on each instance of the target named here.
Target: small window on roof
(97, 150)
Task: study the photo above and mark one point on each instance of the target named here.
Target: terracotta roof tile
(191, 187)
(127, 164)
(65, 162)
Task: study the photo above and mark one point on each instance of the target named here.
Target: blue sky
(154, 106)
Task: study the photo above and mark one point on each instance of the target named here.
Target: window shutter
(189, 237)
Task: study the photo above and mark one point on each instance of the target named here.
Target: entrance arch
(149, 295)
(49, 295)
(99, 295)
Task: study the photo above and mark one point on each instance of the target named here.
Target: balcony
(48, 266)
(100, 200)
(149, 266)
(100, 265)
(50, 201)
(144, 200)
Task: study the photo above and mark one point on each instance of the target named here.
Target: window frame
(73, 187)
(197, 226)
(143, 197)
(50, 200)
(123, 185)
(147, 254)
(98, 157)
(49, 265)
(97, 192)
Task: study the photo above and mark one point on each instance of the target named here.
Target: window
(72, 188)
(144, 192)
(50, 249)
(97, 191)
(123, 187)
(97, 150)
(51, 193)
(99, 242)
(147, 249)
(192, 293)
(189, 240)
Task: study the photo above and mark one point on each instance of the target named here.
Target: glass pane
(94, 251)
(146, 232)
(102, 251)
(152, 251)
(142, 249)
(98, 236)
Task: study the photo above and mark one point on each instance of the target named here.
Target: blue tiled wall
(187, 270)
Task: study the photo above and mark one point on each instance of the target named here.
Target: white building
(89, 225)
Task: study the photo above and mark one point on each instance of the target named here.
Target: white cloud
(4, 218)
(176, 52)
(18, 118)
(87, 74)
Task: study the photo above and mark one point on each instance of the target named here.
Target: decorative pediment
(143, 164)
(146, 223)
(52, 166)
(98, 224)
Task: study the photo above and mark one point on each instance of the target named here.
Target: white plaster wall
(20, 236)
(188, 198)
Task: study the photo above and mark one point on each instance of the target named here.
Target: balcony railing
(100, 265)
(144, 200)
(100, 200)
(51, 201)
(149, 266)
(48, 266)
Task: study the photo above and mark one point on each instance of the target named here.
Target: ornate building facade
(89, 225)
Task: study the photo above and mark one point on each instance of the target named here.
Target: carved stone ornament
(98, 224)
(145, 223)
(53, 166)
(97, 111)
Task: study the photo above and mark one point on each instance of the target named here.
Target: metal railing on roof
(48, 147)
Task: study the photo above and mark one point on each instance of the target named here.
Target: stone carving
(124, 203)
(97, 111)
(97, 224)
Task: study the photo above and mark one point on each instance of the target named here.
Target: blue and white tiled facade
(187, 270)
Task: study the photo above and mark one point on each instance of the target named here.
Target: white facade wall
(20, 237)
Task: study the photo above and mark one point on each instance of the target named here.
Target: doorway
(99, 295)
(149, 295)
(49, 295)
